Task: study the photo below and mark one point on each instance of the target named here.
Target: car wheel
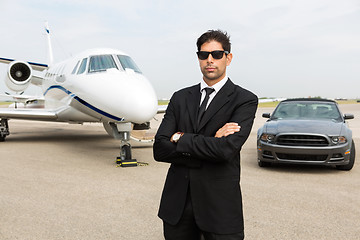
(263, 164)
(350, 165)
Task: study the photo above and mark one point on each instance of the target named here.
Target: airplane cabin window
(74, 71)
(101, 63)
(127, 62)
(82, 66)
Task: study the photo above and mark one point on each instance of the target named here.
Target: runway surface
(60, 181)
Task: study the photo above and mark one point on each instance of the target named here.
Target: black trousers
(187, 229)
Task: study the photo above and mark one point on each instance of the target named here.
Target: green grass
(350, 101)
(4, 103)
(268, 104)
(163, 102)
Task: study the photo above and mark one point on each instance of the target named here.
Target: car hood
(304, 126)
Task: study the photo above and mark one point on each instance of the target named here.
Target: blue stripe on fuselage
(84, 102)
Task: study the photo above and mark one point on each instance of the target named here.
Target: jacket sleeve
(163, 149)
(221, 149)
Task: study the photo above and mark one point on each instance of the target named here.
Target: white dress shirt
(216, 87)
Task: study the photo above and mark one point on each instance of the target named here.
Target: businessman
(201, 135)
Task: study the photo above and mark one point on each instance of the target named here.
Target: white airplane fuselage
(94, 94)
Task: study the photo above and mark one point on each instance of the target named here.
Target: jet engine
(18, 76)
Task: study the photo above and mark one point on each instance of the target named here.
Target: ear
(228, 59)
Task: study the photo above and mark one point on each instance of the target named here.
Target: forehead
(211, 46)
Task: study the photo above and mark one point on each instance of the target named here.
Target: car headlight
(338, 139)
(267, 137)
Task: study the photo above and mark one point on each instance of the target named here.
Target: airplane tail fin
(50, 52)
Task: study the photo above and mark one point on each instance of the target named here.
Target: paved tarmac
(60, 181)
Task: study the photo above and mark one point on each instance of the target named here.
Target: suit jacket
(208, 167)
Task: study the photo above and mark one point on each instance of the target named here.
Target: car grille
(302, 140)
(301, 157)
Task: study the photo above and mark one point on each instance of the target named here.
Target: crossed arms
(193, 147)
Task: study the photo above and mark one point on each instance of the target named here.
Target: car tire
(350, 165)
(263, 164)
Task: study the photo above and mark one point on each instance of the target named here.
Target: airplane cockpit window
(74, 71)
(127, 62)
(101, 63)
(82, 67)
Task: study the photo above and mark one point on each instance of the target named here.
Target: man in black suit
(202, 196)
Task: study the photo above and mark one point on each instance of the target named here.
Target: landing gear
(125, 152)
(125, 159)
(4, 129)
(121, 131)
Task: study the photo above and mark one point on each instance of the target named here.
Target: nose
(210, 59)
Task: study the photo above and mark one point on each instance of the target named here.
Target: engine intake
(19, 76)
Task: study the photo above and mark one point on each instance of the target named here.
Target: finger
(232, 128)
(231, 124)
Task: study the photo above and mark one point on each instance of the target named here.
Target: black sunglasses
(218, 54)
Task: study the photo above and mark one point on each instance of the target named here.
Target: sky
(281, 48)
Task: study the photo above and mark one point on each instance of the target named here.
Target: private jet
(97, 85)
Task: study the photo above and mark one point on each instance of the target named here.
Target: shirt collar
(217, 86)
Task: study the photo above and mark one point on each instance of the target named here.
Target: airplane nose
(136, 99)
(142, 104)
(126, 96)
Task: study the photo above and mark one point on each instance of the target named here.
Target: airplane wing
(21, 98)
(35, 66)
(28, 114)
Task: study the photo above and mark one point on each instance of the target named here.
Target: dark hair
(215, 35)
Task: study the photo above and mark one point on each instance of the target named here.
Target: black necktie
(204, 103)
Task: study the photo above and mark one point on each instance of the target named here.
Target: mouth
(210, 68)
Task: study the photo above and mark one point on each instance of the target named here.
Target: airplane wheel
(125, 152)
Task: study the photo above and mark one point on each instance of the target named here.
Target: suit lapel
(220, 99)
(192, 104)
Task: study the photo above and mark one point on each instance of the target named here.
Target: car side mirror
(348, 116)
(266, 115)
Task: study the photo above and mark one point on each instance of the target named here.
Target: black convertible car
(306, 131)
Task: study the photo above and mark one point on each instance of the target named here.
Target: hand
(227, 129)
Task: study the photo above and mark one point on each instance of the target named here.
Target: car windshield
(127, 62)
(101, 63)
(307, 110)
